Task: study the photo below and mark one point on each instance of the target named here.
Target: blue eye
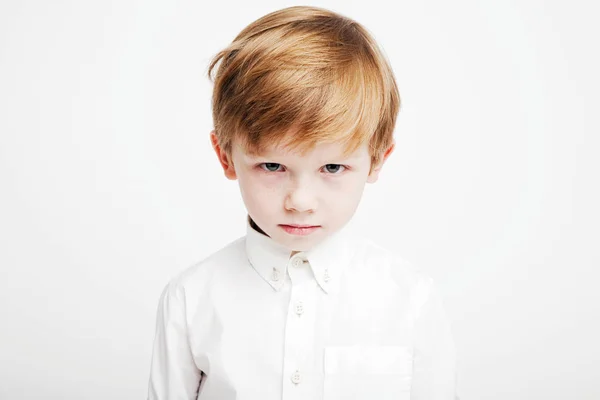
(334, 169)
(270, 167)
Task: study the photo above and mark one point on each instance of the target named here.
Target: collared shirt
(344, 320)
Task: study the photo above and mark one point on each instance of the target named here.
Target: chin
(300, 243)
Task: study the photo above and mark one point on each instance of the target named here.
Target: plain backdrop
(109, 186)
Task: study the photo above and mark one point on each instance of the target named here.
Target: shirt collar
(271, 260)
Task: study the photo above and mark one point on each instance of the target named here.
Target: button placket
(299, 332)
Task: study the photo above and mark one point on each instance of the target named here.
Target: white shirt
(345, 320)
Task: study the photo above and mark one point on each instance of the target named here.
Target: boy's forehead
(295, 141)
(329, 149)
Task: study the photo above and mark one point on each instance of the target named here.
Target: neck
(256, 227)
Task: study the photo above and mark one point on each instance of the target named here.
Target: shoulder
(195, 277)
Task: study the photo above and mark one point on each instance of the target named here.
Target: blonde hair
(300, 76)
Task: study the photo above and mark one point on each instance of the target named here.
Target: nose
(301, 197)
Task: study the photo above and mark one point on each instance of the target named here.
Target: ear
(225, 161)
(374, 174)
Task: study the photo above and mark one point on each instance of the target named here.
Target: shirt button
(326, 277)
(296, 377)
(275, 275)
(299, 307)
(297, 262)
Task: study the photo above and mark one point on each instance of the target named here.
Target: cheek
(348, 185)
(258, 191)
(344, 194)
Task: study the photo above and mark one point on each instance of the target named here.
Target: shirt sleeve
(173, 373)
(434, 362)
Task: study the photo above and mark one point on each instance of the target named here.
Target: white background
(109, 186)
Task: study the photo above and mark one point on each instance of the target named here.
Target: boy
(304, 108)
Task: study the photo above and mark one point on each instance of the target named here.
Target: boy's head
(304, 108)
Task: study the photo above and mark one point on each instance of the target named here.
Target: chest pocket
(367, 372)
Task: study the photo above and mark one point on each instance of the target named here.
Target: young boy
(304, 109)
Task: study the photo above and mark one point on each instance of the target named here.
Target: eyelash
(263, 165)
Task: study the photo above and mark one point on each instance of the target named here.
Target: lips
(300, 225)
(301, 230)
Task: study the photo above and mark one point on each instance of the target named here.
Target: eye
(334, 169)
(270, 167)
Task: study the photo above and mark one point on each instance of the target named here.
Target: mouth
(301, 230)
(300, 226)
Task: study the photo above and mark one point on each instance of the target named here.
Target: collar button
(297, 262)
(275, 275)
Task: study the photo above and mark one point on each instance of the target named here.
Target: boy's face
(282, 189)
